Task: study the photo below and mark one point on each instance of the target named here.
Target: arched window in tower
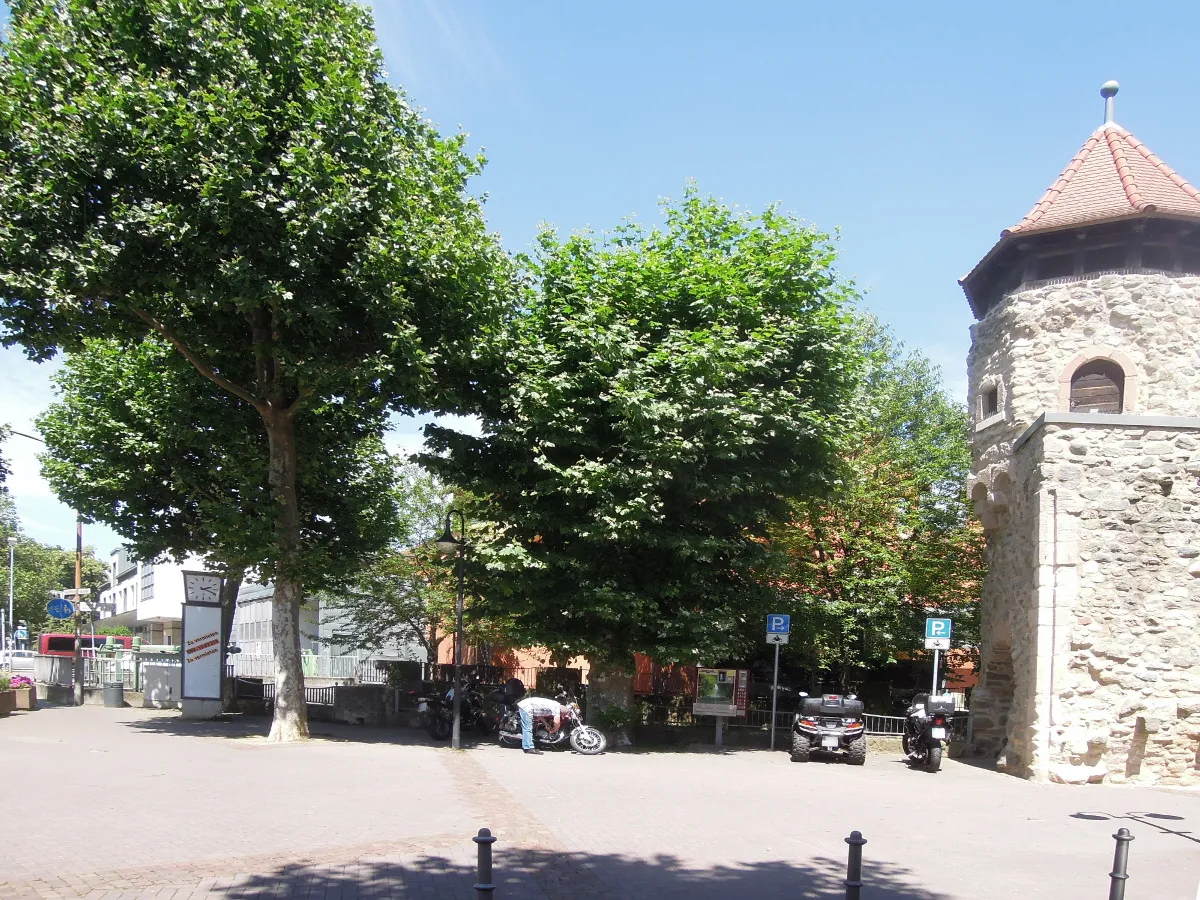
(1098, 387)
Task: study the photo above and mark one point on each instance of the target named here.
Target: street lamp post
(12, 543)
(449, 545)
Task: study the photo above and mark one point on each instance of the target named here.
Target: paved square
(128, 803)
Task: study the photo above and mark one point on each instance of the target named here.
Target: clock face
(199, 587)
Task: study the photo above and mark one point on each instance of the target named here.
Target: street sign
(937, 643)
(938, 628)
(776, 638)
(60, 608)
(779, 624)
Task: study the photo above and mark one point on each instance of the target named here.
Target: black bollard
(1120, 872)
(854, 866)
(483, 866)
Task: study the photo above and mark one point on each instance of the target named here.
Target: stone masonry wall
(1117, 617)
(1028, 341)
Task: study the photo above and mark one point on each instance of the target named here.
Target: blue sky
(918, 130)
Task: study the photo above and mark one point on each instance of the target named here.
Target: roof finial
(1108, 90)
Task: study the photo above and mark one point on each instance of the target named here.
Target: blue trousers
(526, 728)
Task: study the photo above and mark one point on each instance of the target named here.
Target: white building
(146, 598)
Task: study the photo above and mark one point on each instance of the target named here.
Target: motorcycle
(583, 739)
(436, 717)
(832, 723)
(927, 729)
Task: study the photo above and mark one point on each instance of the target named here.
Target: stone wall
(1029, 341)
(1108, 631)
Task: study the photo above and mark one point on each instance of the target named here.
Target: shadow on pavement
(545, 875)
(239, 727)
(1149, 819)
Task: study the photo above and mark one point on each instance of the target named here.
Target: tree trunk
(610, 687)
(290, 722)
(229, 592)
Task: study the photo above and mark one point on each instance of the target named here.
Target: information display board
(721, 692)
(201, 651)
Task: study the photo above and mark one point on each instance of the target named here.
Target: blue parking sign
(778, 623)
(938, 628)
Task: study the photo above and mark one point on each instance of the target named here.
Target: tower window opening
(1060, 265)
(991, 402)
(1156, 256)
(1098, 387)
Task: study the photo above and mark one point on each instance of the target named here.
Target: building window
(1098, 387)
(991, 401)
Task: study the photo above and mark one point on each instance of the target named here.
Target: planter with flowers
(8, 697)
(26, 692)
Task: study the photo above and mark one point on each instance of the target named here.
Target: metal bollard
(854, 866)
(1120, 872)
(483, 867)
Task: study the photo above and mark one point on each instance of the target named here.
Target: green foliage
(613, 717)
(5, 432)
(5, 681)
(239, 178)
(893, 541)
(102, 628)
(665, 390)
(140, 441)
(404, 595)
(40, 569)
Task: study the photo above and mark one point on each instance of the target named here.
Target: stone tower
(1084, 380)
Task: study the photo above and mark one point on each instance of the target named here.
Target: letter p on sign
(779, 624)
(938, 628)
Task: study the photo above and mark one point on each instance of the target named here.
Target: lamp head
(448, 545)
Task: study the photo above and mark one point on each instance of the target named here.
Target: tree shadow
(1149, 819)
(236, 726)
(548, 875)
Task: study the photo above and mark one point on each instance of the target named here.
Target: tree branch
(199, 365)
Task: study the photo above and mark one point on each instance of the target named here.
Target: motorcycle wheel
(588, 741)
(858, 751)
(800, 747)
(933, 760)
(439, 728)
(906, 745)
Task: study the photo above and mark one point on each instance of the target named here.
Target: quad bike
(831, 723)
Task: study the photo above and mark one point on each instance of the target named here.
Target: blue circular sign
(60, 608)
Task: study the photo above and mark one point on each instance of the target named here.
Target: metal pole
(854, 866)
(935, 673)
(455, 735)
(774, 696)
(11, 623)
(78, 692)
(483, 866)
(1120, 871)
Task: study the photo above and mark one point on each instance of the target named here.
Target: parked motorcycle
(583, 739)
(927, 729)
(436, 716)
(832, 723)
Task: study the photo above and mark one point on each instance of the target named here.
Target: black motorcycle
(436, 716)
(927, 725)
(832, 723)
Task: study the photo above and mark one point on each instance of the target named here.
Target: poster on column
(201, 651)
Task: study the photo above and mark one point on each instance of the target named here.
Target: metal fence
(680, 714)
(344, 668)
(254, 689)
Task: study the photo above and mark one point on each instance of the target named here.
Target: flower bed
(25, 691)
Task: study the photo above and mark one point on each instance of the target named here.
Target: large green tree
(668, 389)
(238, 178)
(139, 440)
(893, 540)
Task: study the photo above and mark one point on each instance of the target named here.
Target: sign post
(937, 638)
(779, 628)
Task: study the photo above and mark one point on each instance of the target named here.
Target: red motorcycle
(583, 739)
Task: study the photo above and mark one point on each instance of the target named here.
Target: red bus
(64, 644)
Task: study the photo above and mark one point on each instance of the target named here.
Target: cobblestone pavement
(130, 803)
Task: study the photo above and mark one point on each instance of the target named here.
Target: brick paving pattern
(136, 804)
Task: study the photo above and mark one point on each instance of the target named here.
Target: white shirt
(540, 706)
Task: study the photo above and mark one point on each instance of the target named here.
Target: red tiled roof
(1112, 176)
